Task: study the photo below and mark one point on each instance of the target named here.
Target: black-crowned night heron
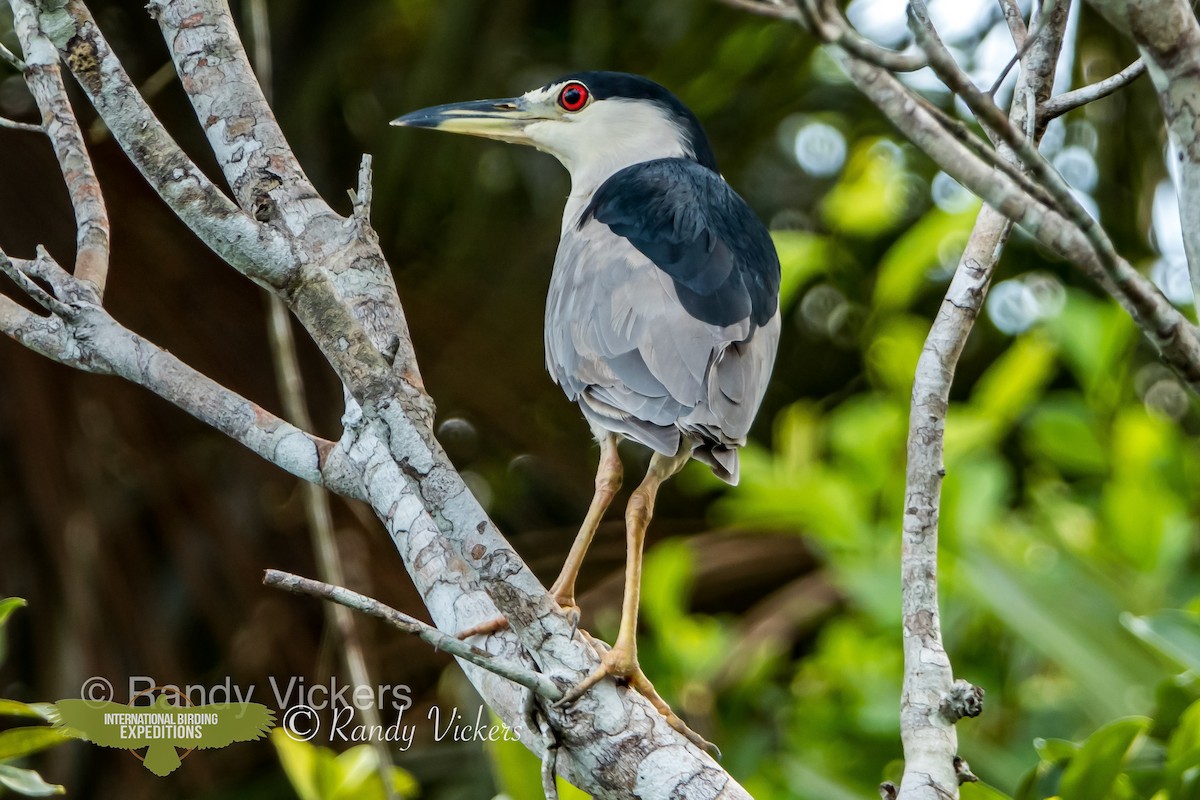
(663, 313)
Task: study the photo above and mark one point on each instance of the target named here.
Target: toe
(494, 625)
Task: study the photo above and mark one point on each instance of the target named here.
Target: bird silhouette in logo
(162, 727)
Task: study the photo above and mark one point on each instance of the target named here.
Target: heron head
(590, 121)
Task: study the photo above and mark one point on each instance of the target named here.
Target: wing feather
(662, 316)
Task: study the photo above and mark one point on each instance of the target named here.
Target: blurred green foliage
(319, 773)
(19, 743)
(1069, 520)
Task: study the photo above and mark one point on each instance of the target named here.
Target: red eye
(573, 96)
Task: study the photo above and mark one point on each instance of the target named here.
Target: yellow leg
(621, 661)
(608, 483)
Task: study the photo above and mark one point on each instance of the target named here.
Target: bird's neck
(586, 179)
(618, 135)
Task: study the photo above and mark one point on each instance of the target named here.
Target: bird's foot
(621, 664)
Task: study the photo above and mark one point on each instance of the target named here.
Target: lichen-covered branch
(927, 715)
(269, 183)
(257, 250)
(44, 79)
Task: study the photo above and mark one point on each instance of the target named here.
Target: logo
(162, 728)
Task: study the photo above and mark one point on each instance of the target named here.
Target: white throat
(606, 137)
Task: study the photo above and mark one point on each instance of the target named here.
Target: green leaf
(27, 782)
(1094, 770)
(667, 588)
(981, 791)
(1054, 751)
(1183, 748)
(8, 605)
(1172, 632)
(316, 773)
(1095, 335)
(20, 742)
(299, 760)
(893, 353)
(1078, 632)
(15, 708)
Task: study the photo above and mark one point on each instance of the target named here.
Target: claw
(620, 664)
(572, 613)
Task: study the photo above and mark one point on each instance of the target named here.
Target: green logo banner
(162, 727)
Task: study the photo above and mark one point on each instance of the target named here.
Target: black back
(687, 220)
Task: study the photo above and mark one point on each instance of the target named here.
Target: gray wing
(621, 344)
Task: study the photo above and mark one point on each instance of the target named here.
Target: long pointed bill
(505, 119)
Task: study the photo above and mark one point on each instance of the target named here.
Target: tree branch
(927, 729)
(58, 121)
(932, 700)
(269, 183)
(535, 682)
(1166, 328)
(1069, 101)
(1015, 21)
(825, 18)
(11, 59)
(81, 334)
(765, 8)
(14, 125)
(258, 251)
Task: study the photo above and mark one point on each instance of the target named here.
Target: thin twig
(534, 681)
(11, 58)
(826, 21)
(1023, 38)
(1069, 101)
(13, 125)
(1027, 42)
(31, 288)
(980, 148)
(927, 729)
(764, 8)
